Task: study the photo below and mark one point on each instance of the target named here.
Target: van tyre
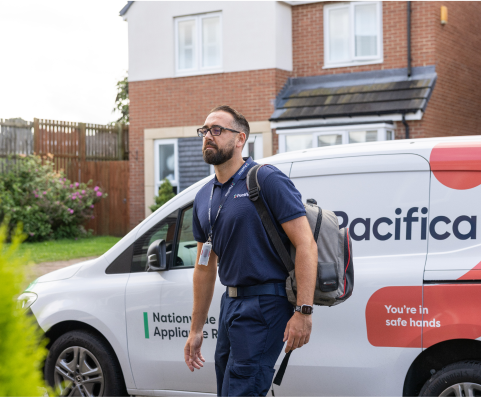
(459, 379)
(82, 363)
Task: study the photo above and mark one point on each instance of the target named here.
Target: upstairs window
(198, 44)
(352, 34)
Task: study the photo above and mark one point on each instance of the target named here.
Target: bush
(21, 351)
(47, 204)
(166, 192)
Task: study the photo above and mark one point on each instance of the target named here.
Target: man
(254, 324)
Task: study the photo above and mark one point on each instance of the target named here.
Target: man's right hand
(192, 355)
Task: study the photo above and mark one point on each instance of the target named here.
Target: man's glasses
(215, 130)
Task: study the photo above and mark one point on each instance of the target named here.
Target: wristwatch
(305, 309)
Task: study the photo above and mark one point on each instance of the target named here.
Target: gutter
(406, 125)
(124, 10)
(409, 39)
(300, 2)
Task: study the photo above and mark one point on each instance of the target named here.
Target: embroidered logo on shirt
(241, 195)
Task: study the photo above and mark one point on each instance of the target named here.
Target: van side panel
(360, 347)
(453, 268)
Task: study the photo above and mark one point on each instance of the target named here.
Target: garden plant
(47, 204)
(166, 192)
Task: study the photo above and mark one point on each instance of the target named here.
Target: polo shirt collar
(244, 175)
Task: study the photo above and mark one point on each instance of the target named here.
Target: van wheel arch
(59, 329)
(437, 357)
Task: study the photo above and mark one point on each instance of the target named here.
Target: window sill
(198, 72)
(351, 64)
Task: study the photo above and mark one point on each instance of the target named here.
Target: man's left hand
(298, 331)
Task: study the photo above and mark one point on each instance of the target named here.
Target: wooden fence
(111, 215)
(84, 152)
(80, 141)
(91, 152)
(16, 138)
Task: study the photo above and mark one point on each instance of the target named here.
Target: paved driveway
(46, 267)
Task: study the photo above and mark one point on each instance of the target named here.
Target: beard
(218, 156)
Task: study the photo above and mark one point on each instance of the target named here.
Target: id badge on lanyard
(205, 254)
(207, 246)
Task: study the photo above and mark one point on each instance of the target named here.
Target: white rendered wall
(283, 36)
(256, 35)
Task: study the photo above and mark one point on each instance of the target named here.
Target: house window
(306, 138)
(198, 44)
(254, 147)
(298, 142)
(352, 34)
(362, 136)
(329, 140)
(166, 163)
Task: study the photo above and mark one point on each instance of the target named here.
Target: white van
(412, 325)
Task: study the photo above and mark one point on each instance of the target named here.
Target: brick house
(305, 74)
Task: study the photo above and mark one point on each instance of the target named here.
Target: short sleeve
(280, 194)
(199, 234)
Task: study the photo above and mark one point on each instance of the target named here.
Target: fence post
(36, 138)
(82, 147)
(120, 140)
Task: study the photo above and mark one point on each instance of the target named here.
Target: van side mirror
(156, 256)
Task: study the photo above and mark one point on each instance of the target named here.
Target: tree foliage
(22, 350)
(122, 101)
(166, 192)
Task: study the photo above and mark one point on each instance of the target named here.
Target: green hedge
(22, 350)
(47, 204)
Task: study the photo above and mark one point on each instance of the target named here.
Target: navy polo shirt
(246, 254)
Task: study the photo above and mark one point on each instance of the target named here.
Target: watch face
(306, 309)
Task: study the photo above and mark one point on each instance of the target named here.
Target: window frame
(157, 181)
(258, 141)
(176, 241)
(354, 60)
(339, 130)
(148, 234)
(198, 46)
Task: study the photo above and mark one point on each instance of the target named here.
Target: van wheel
(81, 363)
(458, 379)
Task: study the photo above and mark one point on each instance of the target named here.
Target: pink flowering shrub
(49, 205)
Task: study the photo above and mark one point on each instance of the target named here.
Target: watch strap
(305, 309)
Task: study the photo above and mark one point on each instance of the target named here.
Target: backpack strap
(282, 369)
(254, 188)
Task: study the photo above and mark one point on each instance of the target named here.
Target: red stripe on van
(457, 165)
(473, 274)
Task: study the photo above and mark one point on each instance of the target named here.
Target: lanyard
(222, 202)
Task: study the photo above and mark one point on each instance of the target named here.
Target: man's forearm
(300, 235)
(204, 283)
(306, 272)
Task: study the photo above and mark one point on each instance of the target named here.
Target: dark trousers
(249, 342)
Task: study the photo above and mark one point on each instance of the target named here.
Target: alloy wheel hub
(78, 373)
(464, 389)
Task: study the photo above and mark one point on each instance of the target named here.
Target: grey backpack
(335, 270)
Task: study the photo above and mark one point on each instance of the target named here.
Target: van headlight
(26, 300)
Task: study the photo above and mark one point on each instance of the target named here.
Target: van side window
(186, 244)
(165, 230)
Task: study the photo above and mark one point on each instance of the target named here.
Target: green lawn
(60, 250)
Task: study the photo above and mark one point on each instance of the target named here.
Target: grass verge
(62, 250)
